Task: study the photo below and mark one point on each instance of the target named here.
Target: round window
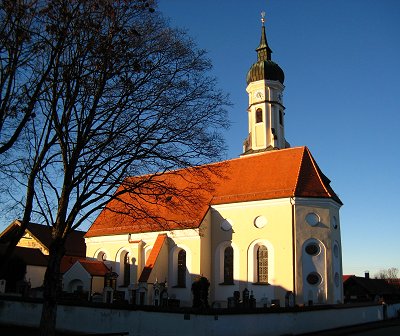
(312, 219)
(312, 249)
(260, 222)
(314, 278)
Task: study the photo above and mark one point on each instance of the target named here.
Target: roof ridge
(318, 172)
(244, 157)
(247, 194)
(90, 261)
(298, 172)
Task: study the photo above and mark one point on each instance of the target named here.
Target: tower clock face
(258, 95)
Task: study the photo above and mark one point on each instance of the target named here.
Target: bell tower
(266, 111)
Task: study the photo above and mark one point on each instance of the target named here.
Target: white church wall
(265, 293)
(139, 247)
(222, 291)
(337, 273)
(181, 293)
(250, 221)
(314, 268)
(313, 220)
(206, 255)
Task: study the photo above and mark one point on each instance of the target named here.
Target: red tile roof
(269, 175)
(67, 262)
(346, 277)
(151, 260)
(93, 267)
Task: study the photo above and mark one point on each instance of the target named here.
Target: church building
(266, 222)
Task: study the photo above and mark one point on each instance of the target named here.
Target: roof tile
(93, 267)
(188, 193)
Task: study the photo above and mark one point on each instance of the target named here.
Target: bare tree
(389, 274)
(20, 83)
(125, 95)
(24, 69)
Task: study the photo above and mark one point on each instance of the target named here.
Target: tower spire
(266, 110)
(263, 50)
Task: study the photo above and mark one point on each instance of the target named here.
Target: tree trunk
(6, 257)
(52, 288)
(30, 193)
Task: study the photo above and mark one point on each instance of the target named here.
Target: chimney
(366, 274)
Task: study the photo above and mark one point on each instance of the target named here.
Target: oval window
(312, 219)
(314, 278)
(337, 279)
(312, 249)
(336, 251)
(334, 222)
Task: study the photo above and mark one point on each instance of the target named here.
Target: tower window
(181, 268)
(259, 116)
(314, 278)
(262, 264)
(312, 249)
(228, 265)
(280, 117)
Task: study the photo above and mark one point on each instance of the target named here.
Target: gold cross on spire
(263, 17)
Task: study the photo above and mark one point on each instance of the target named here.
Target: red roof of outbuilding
(347, 276)
(151, 260)
(269, 175)
(93, 267)
(67, 262)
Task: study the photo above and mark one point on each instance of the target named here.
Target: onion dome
(264, 68)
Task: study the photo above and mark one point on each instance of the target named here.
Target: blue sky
(341, 62)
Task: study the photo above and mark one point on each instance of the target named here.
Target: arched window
(101, 256)
(228, 265)
(259, 116)
(181, 268)
(127, 270)
(280, 117)
(262, 264)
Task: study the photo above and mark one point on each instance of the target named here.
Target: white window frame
(219, 261)
(252, 275)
